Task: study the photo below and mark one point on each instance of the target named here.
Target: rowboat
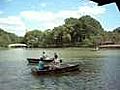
(62, 69)
(36, 60)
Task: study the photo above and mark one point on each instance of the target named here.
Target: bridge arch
(17, 45)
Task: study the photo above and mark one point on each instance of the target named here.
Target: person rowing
(40, 65)
(44, 56)
(55, 63)
(56, 60)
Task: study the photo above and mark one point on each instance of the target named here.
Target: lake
(99, 70)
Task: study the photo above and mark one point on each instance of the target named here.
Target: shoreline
(110, 46)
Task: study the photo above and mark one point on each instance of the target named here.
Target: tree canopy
(83, 31)
(8, 38)
(74, 32)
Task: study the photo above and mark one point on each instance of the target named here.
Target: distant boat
(95, 49)
(62, 69)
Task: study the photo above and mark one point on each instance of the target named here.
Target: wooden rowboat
(62, 69)
(36, 60)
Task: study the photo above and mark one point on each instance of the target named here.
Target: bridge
(17, 45)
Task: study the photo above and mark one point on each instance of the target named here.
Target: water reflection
(110, 70)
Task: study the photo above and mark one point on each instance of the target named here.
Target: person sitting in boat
(55, 63)
(56, 60)
(43, 56)
(41, 65)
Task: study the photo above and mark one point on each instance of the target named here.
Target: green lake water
(99, 70)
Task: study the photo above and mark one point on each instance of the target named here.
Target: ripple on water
(96, 74)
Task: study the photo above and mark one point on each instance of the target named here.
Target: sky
(20, 16)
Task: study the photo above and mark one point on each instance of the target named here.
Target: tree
(85, 30)
(33, 38)
(8, 38)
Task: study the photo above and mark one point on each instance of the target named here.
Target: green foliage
(73, 32)
(8, 38)
(117, 30)
(85, 31)
(116, 35)
(33, 38)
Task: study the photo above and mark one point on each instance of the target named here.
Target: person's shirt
(41, 65)
(44, 56)
(57, 62)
